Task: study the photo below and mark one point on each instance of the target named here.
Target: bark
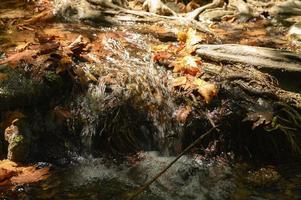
(261, 57)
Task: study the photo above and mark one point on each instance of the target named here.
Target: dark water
(189, 178)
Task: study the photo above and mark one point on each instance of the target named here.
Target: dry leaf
(187, 65)
(182, 36)
(193, 38)
(14, 59)
(11, 174)
(162, 58)
(205, 89)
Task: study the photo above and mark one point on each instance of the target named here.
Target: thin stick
(147, 184)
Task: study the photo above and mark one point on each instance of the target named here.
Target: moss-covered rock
(17, 135)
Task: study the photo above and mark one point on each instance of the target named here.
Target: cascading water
(128, 81)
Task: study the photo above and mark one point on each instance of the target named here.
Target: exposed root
(242, 8)
(291, 7)
(193, 15)
(158, 7)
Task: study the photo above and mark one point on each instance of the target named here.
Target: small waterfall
(131, 101)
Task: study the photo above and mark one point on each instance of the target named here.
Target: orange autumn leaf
(12, 175)
(162, 58)
(15, 59)
(187, 65)
(182, 36)
(193, 38)
(205, 89)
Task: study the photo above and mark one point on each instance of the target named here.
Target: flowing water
(190, 178)
(132, 99)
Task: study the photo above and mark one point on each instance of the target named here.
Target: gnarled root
(291, 7)
(157, 7)
(194, 14)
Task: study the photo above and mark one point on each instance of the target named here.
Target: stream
(189, 178)
(119, 126)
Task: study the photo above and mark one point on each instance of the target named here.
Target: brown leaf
(15, 59)
(187, 65)
(162, 58)
(193, 38)
(62, 112)
(22, 46)
(30, 175)
(205, 89)
(48, 48)
(162, 47)
(11, 174)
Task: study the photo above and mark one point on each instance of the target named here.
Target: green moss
(18, 139)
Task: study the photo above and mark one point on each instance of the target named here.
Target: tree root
(193, 15)
(265, 58)
(158, 7)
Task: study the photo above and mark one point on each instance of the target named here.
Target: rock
(18, 144)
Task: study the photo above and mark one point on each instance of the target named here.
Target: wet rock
(21, 88)
(17, 136)
(263, 176)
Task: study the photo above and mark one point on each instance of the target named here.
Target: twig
(147, 184)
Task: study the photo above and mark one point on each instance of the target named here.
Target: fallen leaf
(193, 38)
(205, 89)
(182, 36)
(187, 65)
(256, 32)
(12, 175)
(162, 58)
(30, 175)
(15, 59)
